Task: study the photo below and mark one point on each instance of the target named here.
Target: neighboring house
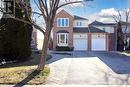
(34, 39)
(111, 29)
(72, 33)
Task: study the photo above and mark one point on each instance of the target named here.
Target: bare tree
(127, 13)
(118, 32)
(119, 19)
(48, 10)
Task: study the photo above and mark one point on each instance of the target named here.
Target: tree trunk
(44, 49)
(120, 37)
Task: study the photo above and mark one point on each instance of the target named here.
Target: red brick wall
(63, 14)
(112, 42)
(89, 41)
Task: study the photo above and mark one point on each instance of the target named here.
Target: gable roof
(77, 18)
(65, 12)
(87, 30)
(101, 24)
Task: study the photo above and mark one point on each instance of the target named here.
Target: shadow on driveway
(119, 63)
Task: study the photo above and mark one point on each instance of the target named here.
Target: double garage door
(98, 42)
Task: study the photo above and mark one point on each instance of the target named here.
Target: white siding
(84, 23)
(80, 35)
(109, 29)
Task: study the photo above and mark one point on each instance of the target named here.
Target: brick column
(89, 41)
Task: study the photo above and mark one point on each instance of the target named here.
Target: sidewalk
(67, 86)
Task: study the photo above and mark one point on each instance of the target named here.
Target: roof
(87, 30)
(81, 18)
(62, 31)
(96, 30)
(80, 30)
(123, 23)
(101, 24)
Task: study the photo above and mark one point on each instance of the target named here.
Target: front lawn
(24, 73)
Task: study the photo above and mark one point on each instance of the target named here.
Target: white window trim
(62, 44)
(78, 24)
(62, 18)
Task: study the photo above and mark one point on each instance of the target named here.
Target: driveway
(91, 68)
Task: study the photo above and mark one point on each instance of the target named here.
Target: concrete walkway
(89, 68)
(68, 86)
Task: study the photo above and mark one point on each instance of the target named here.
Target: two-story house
(72, 33)
(111, 28)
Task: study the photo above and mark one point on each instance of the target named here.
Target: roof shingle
(81, 18)
(87, 30)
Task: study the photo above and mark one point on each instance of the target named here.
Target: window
(79, 23)
(9, 6)
(103, 29)
(62, 22)
(62, 39)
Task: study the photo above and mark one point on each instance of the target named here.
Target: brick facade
(63, 14)
(70, 28)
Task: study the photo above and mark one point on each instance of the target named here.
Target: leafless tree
(48, 10)
(119, 18)
(118, 32)
(127, 14)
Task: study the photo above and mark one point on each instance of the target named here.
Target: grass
(24, 73)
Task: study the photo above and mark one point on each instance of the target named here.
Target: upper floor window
(62, 22)
(103, 29)
(79, 23)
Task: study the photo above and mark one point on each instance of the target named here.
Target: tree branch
(30, 23)
(71, 2)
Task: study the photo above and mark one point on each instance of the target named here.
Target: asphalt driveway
(91, 68)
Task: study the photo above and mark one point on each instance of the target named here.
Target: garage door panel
(98, 42)
(80, 44)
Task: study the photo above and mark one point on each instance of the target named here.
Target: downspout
(89, 38)
(116, 37)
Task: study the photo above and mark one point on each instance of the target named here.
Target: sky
(95, 9)
(99, 10)
(99, 7)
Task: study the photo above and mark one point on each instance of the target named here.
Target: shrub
(59, 48)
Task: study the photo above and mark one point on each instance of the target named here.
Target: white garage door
(98, 42)
(80, 42)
